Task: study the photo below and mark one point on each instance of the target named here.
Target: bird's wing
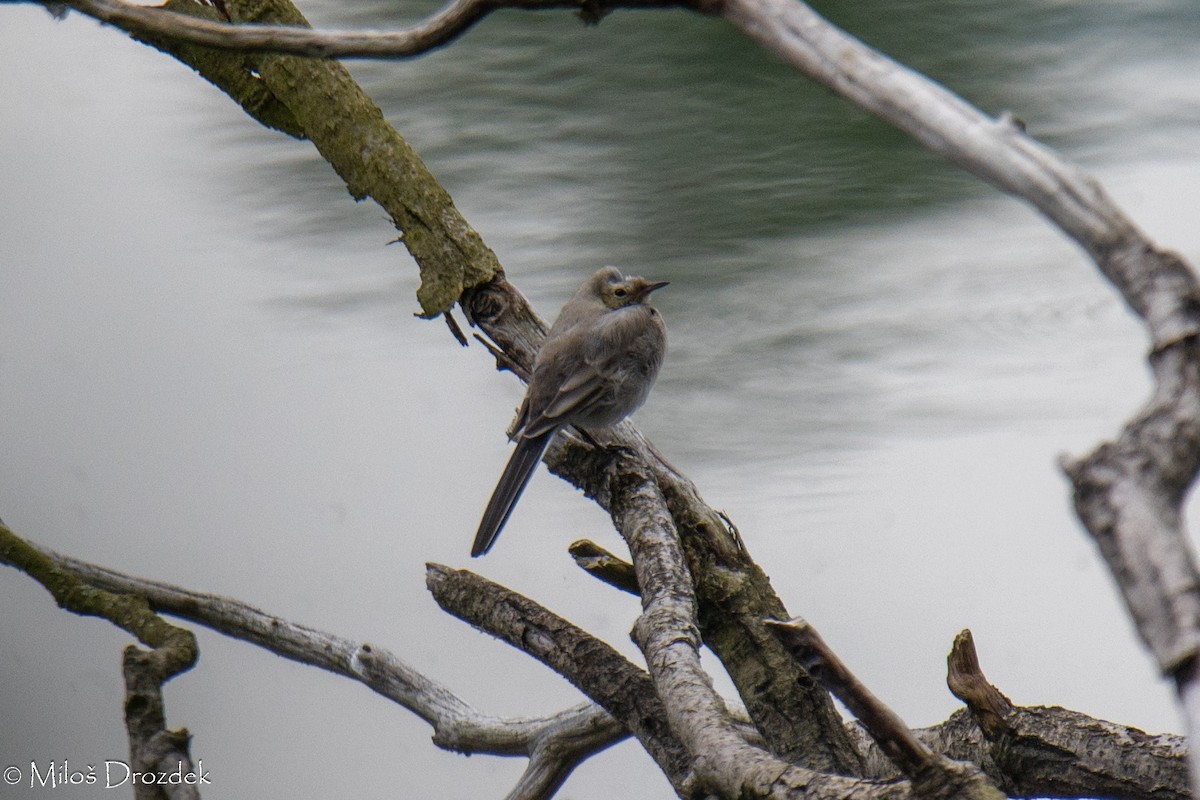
(581, 390)
(576, 396)
(583, 387)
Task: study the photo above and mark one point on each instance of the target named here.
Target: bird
(595, 367)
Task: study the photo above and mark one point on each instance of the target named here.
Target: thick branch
(1129, 493)
(933, 776)
(724, 763)
(598, 670)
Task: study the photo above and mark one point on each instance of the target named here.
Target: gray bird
(595, 368)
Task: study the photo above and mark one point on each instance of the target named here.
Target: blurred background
(210, 373)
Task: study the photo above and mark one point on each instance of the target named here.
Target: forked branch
(554, 744)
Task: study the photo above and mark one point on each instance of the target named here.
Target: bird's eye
(620, 292)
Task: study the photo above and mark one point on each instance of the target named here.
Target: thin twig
(503, 360)
(455, 330)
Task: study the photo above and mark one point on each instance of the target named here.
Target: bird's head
(617, 291)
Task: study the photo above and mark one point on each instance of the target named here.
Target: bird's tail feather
(512, 482)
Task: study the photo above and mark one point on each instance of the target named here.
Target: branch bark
(152, 747)
(599, 671)
(554, 744)
(1091, 757)
(706, 750)
(724, 763)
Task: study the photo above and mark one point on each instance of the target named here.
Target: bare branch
(807, 646)
(595, 668)
(152, 748)
(555, 744)
(724, 764)
(1129, 493)
(436, 31)
(933, 776)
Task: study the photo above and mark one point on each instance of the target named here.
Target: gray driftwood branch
(553, 744)
(724, 764)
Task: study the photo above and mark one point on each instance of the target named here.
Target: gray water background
(209, 371)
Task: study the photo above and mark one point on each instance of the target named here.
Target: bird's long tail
(513, 481)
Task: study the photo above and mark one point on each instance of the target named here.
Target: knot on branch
(490, 303)
(514, 328)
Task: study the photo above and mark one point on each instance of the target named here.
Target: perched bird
(595, 368)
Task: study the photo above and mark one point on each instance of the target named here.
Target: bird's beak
(646, 288)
